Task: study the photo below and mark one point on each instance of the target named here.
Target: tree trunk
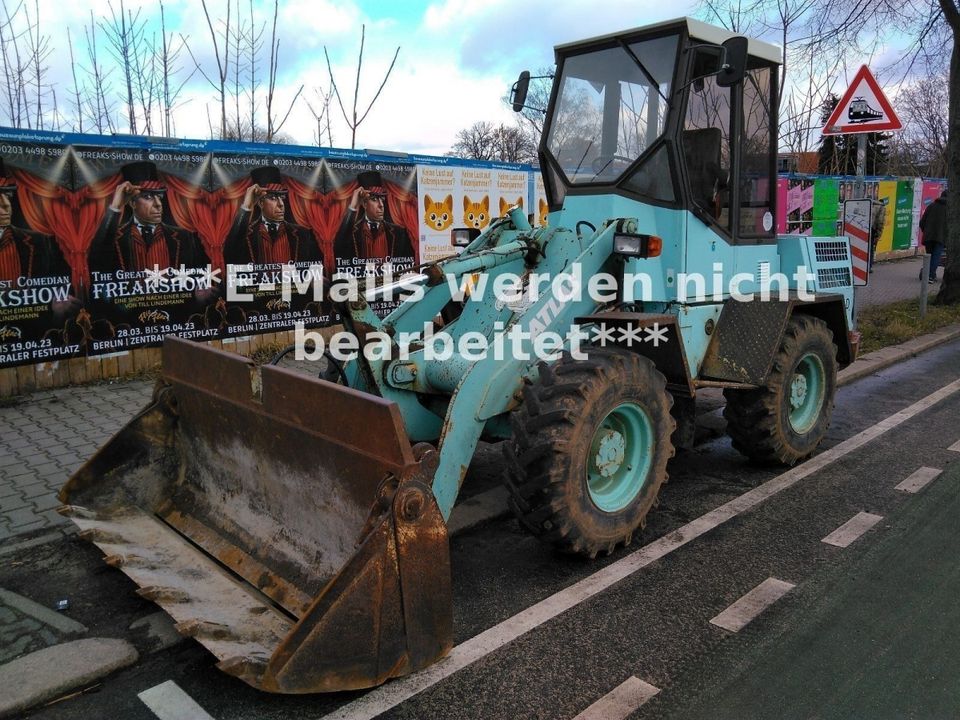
(950, 292)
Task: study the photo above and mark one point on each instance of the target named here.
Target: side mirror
(518, 95)
(733, 68)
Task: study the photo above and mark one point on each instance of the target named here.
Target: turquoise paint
(807, 390)
(621, 456)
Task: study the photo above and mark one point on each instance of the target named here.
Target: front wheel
(590, 449)
(785, 420)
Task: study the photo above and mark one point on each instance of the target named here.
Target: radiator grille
(830, 250)
(833, 277)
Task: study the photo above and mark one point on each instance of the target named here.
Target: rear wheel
(786, 419)
(590, 449)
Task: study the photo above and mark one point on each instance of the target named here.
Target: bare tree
(486, 141)
(322, 116)
(354, 120)
(222, 58)
(167, 60)
(253, 45)
(921, 149)
(99, 109)
(272, 125)
(125, 36)
(38, 51)
(13, 65)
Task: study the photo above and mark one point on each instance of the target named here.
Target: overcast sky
(457, 59)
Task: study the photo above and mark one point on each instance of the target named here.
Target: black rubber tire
(758, 421)
(552, 434)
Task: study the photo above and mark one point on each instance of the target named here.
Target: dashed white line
(387, 696)
(621, 701)
(738, 616)
(852, 529)
(955, 447)
(168, 702)
(918, 480)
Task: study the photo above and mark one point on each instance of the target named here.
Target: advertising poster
(267, 224)
(799, 206)
(151, 273)
(476, 187)
(903, 216)
(887, 194)
(43, 272)
(437, 186)
(825, 208)
(510, 188)
(540, 201)
(782, 191)
(371, 215)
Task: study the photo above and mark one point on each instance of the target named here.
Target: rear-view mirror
(734, 65)
(518, 95)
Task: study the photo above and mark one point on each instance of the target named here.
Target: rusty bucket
(283, 521)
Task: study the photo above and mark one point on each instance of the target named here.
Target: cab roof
(697, 29)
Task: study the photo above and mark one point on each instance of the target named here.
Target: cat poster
(511, 190)
(539, 201)
(438, 188)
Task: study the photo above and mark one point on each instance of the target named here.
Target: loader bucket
(283, 521)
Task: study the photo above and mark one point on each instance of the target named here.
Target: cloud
(499, 33)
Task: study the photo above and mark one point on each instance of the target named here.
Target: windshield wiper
(650, 79)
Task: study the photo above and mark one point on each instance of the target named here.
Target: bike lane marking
(918, 480)
(620, 702)
(168, 702)
(466, 653)
(852, 529)
(743, 611)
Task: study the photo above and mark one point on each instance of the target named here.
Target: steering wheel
(602, 163)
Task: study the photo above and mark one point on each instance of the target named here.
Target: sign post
(862, 109)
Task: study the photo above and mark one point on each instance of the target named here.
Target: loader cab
(679, 115)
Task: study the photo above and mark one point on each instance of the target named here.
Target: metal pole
(924, 285)
(860, 188)
(859, 193)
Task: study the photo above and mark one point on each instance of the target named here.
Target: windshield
(610, 108)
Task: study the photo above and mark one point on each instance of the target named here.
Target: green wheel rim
(807, 390)
(621, 455)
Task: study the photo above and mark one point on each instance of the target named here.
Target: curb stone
(47, 674)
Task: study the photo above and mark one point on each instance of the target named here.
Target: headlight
(637, 245)
(461, 237)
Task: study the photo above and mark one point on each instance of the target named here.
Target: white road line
(918, 480)
(168, 702)
(621, 701)
(738, 616)
(393, 693)
(852, 529)
(955, 447)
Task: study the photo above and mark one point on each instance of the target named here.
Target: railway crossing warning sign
(862, 109)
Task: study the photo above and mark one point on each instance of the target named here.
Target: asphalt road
(795, 660)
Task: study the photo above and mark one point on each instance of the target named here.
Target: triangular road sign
(862, 109)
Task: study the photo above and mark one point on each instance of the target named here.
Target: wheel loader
(296, 526)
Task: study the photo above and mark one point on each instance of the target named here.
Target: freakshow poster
(106, 248)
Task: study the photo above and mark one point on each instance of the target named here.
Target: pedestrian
(934, 227)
